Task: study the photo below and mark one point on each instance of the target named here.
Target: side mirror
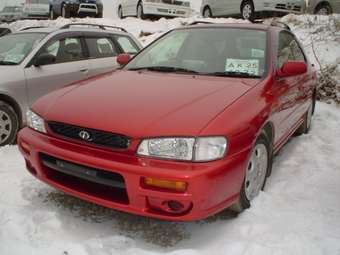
(291, 68)
(123, 58)
(44, 59)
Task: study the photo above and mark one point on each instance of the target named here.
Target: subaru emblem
(84, 135)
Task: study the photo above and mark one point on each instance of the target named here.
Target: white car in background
(142, 8)
(36, 9)
(323, 7)
(248, 9)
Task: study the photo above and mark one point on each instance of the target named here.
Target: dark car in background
(76, 8)
(36, 61)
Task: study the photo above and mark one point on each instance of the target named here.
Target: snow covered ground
(298, 212)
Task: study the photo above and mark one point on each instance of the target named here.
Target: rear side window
(101, 47)
(127, 44)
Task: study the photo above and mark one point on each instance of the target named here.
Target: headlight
(186, 4)
(35, 122)
(188, 149)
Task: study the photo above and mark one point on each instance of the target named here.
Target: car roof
(260, 26)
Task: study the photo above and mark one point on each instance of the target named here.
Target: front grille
(101, 184)
(174, 2)
(90, 136)
(288, 7)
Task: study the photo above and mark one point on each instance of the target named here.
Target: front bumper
(74, 169)
(166, 10)
(84, 8)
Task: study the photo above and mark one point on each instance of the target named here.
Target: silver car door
(70, 65)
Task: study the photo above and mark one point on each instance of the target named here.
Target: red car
(185, 129)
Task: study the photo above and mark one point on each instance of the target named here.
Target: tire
(307, 119)
(256, 173)
(323, 10)
(207, 12)
(9, 124)
(140, 12)
(64, 12)
(53, 16)
(247, 11)
(99, 15)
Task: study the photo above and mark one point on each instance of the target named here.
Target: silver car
(36, 9)
(162, 8)
(11, 13)
(36, 61)
(323, 7)
(248, 9)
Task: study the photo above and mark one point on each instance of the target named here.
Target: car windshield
(218, 51)
(15, 47)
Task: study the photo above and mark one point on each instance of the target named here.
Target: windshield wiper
(235, 74)
(165, 69)
(8, 63)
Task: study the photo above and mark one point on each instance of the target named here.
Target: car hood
(143, 104)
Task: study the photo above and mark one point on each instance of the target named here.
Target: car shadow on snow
(158, 232)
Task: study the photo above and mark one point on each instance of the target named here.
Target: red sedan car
(185, 129)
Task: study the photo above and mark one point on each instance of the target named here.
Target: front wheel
(140, 12)
(323, 10)
(247, 10)
(64, 12)
(9, 124)
(256, 173)
(53, 16)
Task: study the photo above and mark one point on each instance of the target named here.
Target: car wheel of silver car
(247, 10)
(53, 16)
(140, 12)
(323, 10)
(207, 12)
(307, 119)
(9, 124)
(120, 13)
(64, 13)
(256, 173)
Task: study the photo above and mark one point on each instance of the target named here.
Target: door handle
(84, 70)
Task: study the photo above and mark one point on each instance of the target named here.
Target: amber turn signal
(165, 184)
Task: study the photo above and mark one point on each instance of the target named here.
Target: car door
(226, 7)
(291, 90)
(70, 65)
(129, 7)
(335, 6)
(104, 49)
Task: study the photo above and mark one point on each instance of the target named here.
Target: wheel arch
(268, 129)
(16, 107)
(207, 6)
(321, 4)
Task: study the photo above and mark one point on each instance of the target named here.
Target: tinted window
(65, 50)
(101, 47)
